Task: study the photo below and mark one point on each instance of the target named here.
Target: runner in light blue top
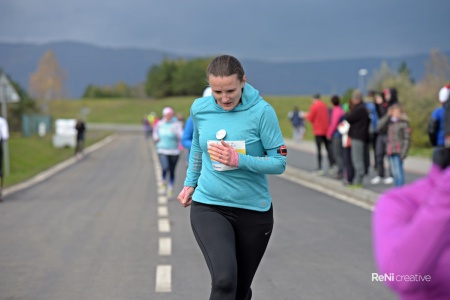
(167, 134)
(237, 141)
(253, 121)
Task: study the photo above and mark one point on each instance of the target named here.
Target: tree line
(170, 78)
(119, 90)
(177, 78)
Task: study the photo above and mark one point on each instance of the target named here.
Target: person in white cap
(4, 135)
(167, 135)
(436, 123)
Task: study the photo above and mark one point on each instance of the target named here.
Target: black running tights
(233, 242)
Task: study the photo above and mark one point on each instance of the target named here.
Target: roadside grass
(131, 111)
(31, 155)
(421, 152)
(118, 111)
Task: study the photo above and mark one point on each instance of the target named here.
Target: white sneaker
(332, 171)
(375, 180)
(170, 192)
(388, 180)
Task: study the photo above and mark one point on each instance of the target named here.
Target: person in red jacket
(319, 116)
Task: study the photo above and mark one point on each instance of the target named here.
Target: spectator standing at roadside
(4, 136)
(399, 140)
(383, 101)
(167, 135)
(319, 117)
(298, 124)
(359, 121)
(80, 127)
(335, 137)
(436, 123)
(391, 96)
(343, 128)
(373, 115)
(349, 171)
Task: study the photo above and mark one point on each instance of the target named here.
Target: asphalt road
(93, 231)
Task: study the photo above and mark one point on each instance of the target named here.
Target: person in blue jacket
(373, 115)
(237, 141)
(436, 122)
(188, 132)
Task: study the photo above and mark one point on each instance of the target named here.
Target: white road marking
(165, 246)
(163, 272)
(162, 199)
(163, 211)
(163, 279)
(163, 225)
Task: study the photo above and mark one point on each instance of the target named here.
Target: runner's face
(168, 116)
(226, 90)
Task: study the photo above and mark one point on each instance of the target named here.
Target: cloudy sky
(274, 30)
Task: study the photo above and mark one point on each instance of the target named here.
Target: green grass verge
(421, 152)
(131, 111)
(29, 156)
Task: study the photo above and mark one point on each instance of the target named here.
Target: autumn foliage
(47, 83)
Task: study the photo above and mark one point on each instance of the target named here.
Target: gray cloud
(269, 30)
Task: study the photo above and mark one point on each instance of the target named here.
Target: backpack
(296, 119)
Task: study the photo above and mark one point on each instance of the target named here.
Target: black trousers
(348, 165)
(322, 139)
(381, 153)
(233, 242)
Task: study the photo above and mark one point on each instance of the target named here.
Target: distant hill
(87, 64)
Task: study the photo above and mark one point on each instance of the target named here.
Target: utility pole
(361, 84)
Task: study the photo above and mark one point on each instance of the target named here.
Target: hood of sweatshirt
(250, 97)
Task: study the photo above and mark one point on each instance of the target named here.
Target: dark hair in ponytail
(225, 65)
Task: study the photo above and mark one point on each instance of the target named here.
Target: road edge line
(360, 197)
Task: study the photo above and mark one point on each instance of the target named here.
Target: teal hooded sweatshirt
(253, 121)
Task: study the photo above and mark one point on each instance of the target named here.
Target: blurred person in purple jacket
(411, 232)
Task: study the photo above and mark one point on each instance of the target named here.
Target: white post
(4, 115)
